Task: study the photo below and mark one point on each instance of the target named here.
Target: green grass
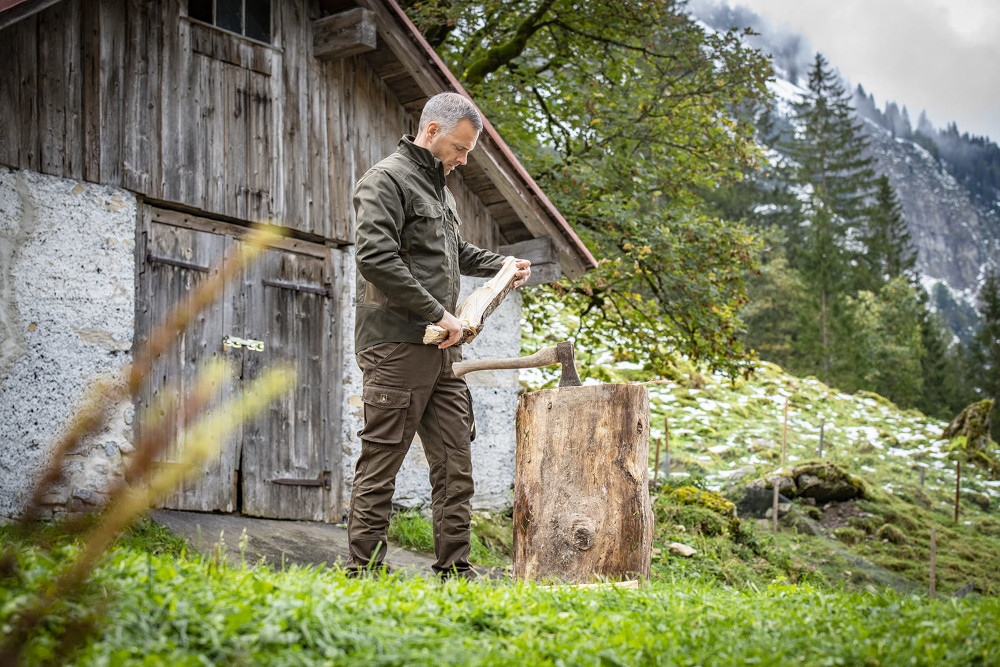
(746, 597)
(159, 608)
(492, 536)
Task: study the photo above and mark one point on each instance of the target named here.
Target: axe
(561, 353)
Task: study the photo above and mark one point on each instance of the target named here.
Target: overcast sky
(942, 56)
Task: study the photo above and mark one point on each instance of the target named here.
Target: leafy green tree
(888, 347)
(625, 113)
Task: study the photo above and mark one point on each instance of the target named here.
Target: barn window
(250, 18)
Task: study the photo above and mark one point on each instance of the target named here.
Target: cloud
(939, 55)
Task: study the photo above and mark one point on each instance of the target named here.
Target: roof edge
(13, 11)
(587, 258)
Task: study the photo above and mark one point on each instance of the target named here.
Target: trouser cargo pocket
(385, 414)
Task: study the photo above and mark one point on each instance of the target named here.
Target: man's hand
(523, 271)
(453, 326)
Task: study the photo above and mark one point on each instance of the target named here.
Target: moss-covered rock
(820, 481)
(826, 482)
(690, 495)
(892, 534)
(849, 536)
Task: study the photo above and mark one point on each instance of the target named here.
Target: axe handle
(544, 357)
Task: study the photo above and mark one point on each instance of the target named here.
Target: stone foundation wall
(67, 254)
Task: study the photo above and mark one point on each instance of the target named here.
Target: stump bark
(581, 488)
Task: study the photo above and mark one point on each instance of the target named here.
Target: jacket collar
(420, 155)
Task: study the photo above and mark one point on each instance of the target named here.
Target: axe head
(567, 364)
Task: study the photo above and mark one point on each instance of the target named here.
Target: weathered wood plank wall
(136, 95)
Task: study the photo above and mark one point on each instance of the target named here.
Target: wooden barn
(137, 141)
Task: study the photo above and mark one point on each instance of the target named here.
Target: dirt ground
(274, 541)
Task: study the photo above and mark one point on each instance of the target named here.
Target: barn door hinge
(323, 480)
(248, 343)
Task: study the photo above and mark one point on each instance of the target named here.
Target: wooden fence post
(784, 446)
(958, 485)
(656, 464)
(666, 444)
(933, 557)
(784, 434)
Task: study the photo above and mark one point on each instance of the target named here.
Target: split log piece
(479, 305)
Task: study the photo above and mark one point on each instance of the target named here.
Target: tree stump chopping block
(581, 488)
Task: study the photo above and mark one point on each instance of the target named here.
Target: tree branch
(498, 56)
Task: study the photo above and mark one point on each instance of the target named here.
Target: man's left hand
(523, 271)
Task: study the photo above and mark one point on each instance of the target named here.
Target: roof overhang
(12, 11)
(519, 206)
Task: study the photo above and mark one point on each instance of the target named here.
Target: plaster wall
(67, 279)
(494, 399)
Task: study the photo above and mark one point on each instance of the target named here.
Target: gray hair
(447, 110)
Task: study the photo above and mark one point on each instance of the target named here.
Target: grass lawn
(153, 603)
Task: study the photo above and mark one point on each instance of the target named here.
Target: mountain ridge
(957, 239)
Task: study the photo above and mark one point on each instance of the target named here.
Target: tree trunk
(581, 490)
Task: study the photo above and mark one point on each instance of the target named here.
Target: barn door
(288, 470)
(283, 463)
(172, 261)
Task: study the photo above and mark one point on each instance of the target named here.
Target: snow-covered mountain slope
(956, 238)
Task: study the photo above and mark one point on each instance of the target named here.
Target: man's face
(452, 148)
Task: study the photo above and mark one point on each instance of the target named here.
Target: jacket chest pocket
(429, 217)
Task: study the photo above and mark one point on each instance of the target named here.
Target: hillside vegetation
(841, 583)
(726, 434)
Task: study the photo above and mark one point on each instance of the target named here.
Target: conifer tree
(944, 368)
(889, 247)
(823, 262)
(830, 147)
(836, 181)
(986, 346)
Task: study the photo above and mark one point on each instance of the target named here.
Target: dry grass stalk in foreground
(202, 442)
(103, 395)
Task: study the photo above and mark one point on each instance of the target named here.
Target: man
(409, 256)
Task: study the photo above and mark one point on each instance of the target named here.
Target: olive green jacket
(408, 249)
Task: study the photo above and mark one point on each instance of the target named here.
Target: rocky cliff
(955, 238)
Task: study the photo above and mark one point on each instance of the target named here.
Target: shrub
(690, 495)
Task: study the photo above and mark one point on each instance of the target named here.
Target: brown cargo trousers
(410, 388)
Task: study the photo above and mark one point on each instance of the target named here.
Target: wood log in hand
(479, 305)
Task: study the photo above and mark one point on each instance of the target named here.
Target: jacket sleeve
(380, 207)
(473, 261)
